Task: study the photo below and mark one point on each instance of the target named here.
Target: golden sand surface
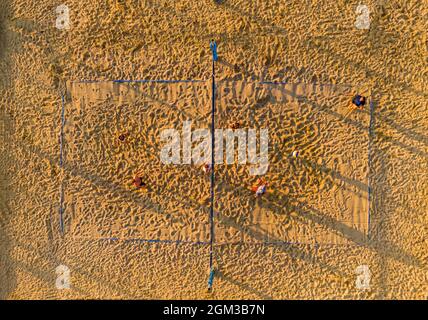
(356, 195)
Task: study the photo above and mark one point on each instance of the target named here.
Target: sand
(355, 196)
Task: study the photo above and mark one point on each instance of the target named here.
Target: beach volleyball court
(321, 196)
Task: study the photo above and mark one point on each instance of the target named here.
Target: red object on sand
(207, 168)
(138, 182)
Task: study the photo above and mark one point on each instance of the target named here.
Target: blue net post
(211, 279)
(213, 47)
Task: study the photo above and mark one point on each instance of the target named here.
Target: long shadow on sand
(243, 286)
(409, 134)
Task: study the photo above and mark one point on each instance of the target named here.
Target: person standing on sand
(260, 187)
(139, 183)
(359, 101)
(207, 168)
(235, 125)
(122, 137)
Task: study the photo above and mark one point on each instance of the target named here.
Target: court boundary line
(207, 243)
(369, 187)
(61, 162)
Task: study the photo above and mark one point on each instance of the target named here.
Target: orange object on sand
(236, 125)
